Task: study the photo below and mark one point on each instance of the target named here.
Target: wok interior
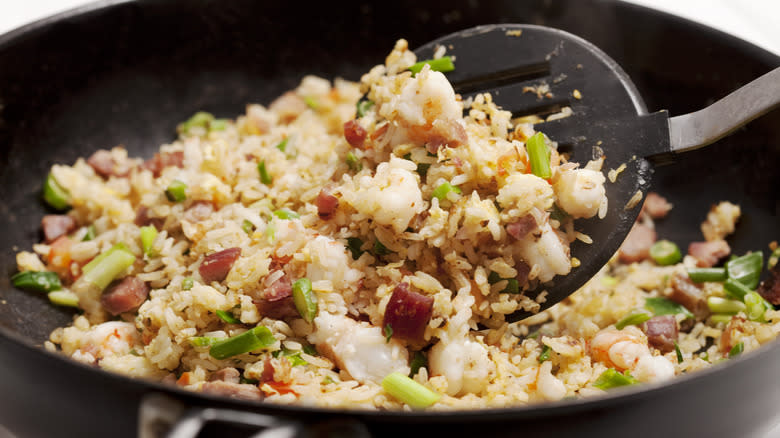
(130, 76)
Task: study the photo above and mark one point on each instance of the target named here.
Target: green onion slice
(204, 341)
(612, 378)
(39, 281)
(227, 317)
(104, 268)
(724, 305)
(363, 106)
(199, 119)
(286, 214)
(545, 354)
(265, 177)
(700, 275)
(493, 277)
(736, 289)
(443, 64)
(665, 253)
(148, 234)
(218, 125)
(408, 391)
(678, 352)
(388, 330)
(737, 350)
(54, 194)
(755, 306)
(250, 340)
(293, 356)
(354, 244)
(353, 162)
(720, 317)
(283, 144)
(633, 318)
(304, 298)
(418, 361)
(248, 227)
(176, 191)
(664, 306)
(380, 249)
(187, 283)
(746, 269)
(64, 298)
(539, 155)
(443, 190)
(90, 234)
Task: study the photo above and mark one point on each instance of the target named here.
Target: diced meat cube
(521, 227)
(326, 204)
(637, 244)
(228, 375)
(656, 206)
(448, 133)
(770, 288)
(408, 313)
(102, 163)
(142, 218)
(243, 391)
(689, 295)
(707, 254)
(355, 134)
(215, 267)
(162, 160)
(56, 225)
(282, 308)
(125, 296)
(523, 269)
(661, 332)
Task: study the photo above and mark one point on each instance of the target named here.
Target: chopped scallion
(148, 234)
(311, 102)
(187, 283)
(418, 361)
(265, 177)
(746, 269)
(204, 341)
(700, 275)
(248, 227)
(724, 305)
(250, 340)
(283, 144)
(545, 354)
(117, 259)
(304, 298)
(443, 64)
(311, 350)
(665, 253)
(612, 378)
(286, 214)
(54, 194)
(388, 333)
(422, 169)
(512, 286)
(609, 281)
(755, 306)
(664, 306)
(64, 298)
(39, 281)
(408, 391)
(353, 162)
(227, 317)
(678, 352)
(720, 317)
(176, 191)
(354, 244)
(199, 119)
(94, 262)
(633, 318)
(493, 277)
(363, 106)
(539, 155)
(90, 234)
(380, 249)
(443, 190)
(736, 289)
(218, 125)
(737, 349)
(292, 356)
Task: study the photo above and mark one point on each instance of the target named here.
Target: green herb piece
(443, 64)
(227, 317)
(283, 144)
(204, 341)
(187, 283)
(311, 102)
(664, 306)
(678, 352)
(539, 155)
(270, 232)
(746, 269)
(250, 340)
(633, 318)
(54, 194)
(265, 177)
(380, 249)
(418, 361)
(200, 119)
(38, 281)
(609, 281)
(292, 356)
(611, 378)
(218, 125)
(148, 234)
(106, 269)
(735, 289)
(248, 227)
(135, 353)
(558, 213)
(353, 162)
(665, 253)
(493, 277)
(363, 106)
(443, 190)
(388, 333)
(512, 286)
(736, 350)
(311, 350)
(90, 234)
(176, 191)
(245, 380)
(304, 298)
(286, 214)
(545, 354)
(755, 306)
(408, 391)
(354, 244)
(720, 317)
(328, 381)
(422, 169)
(64, 298)
(700, 275)
(724, 305)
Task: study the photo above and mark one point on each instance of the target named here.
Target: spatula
(536, 70)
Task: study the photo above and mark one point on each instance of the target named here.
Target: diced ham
(707, 254)
(199, 211)
(770, 288)
(637, 245)
(408, 313)
(215, 267)
(523, 269)
(56, 225)
(448, 133)
(279, 289)
(689, 295)
(661, 332)
(521, 227)
(656, 206)
(233, 390)
(282, 308)
(125, 296)
(288, 107)
(228, 375)
(162, 160)
(102, 162)
(142, 218)
(355, 134)
(326, 204)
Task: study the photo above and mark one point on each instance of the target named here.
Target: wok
(128, 71)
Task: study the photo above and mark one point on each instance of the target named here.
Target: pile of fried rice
(418, 229)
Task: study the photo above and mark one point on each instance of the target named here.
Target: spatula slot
(525, 72)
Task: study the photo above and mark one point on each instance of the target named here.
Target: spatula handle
(708, 125)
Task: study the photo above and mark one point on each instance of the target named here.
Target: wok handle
(708, 125)
(162, 416)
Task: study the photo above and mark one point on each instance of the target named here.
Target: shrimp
(113, 338)
(627, 350)
(465, 364)
(545, 249)
(580, 192)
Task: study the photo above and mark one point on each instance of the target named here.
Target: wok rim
(534, 410)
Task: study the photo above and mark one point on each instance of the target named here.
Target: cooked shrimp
(627, 350)
(113, 338)
(580, 192)
(465, 364)
(546, 250)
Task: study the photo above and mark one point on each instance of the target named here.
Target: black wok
(128, 71)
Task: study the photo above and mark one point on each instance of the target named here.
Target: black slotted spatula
(536, 70)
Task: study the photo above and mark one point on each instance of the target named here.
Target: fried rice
(417, 230)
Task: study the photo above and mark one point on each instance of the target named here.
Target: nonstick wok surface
(128, 72)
